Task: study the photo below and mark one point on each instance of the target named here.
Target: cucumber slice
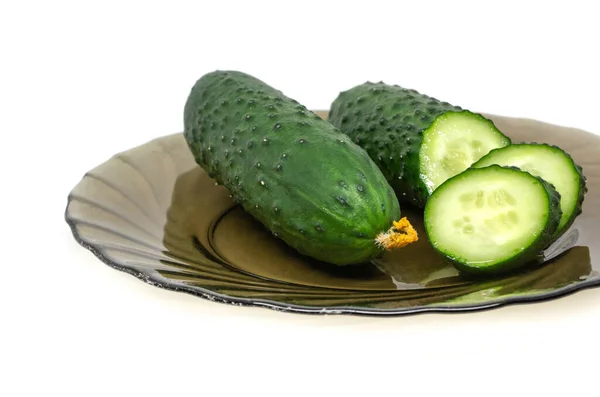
(553, 165)
(493, 219)
(453, 142)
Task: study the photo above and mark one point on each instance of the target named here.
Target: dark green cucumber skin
(388, 122)
(582, 183)
(532, 254)
(297, 174)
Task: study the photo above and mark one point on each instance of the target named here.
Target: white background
(81, 81)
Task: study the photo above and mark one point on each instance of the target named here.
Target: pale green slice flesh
(453, 143)
(547, 162)
(487, 217)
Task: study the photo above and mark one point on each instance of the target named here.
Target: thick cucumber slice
(453, 142)
(493, 219)
(553, 165)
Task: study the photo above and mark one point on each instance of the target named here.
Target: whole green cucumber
(297, 174)
(416, 140)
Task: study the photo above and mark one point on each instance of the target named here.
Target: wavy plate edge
(156, 280)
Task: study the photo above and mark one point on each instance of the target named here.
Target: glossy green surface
(308, 183)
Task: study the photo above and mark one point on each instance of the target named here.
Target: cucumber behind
(550, 163)
(493, 219)
(417, 141)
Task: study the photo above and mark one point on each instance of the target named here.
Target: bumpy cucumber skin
(297, 174)
(532, 254)
(583, 189)
(388, 122)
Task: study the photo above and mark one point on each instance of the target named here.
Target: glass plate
(152, 212)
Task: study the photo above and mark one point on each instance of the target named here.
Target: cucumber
(492, 220)
(417, 141)
(552, 164)
(304, 180)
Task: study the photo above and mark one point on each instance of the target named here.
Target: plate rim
(156, 280)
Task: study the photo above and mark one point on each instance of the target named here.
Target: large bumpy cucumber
(553, 165)
(303, 179)
(491, 220)
(417, 141)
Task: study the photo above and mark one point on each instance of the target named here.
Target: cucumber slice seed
(453, 142)
(492, 219)
(550, 163)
